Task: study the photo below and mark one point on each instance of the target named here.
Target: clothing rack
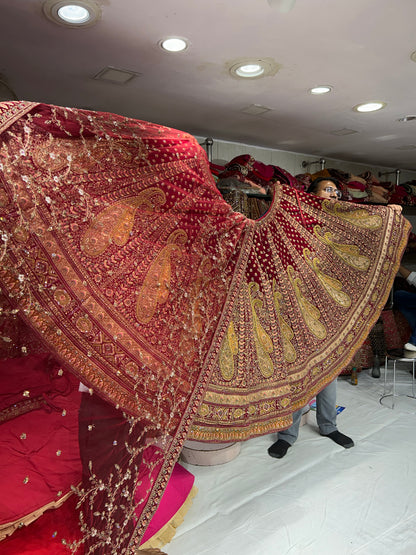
(207, 144)
(321, 161)
(397, 172)
(259, 195)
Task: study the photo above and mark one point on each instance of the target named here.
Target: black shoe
(340, 439)
(279, 449)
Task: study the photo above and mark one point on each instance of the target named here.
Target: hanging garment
(121, 256)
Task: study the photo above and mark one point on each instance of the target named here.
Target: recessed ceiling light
(413, 56)
(406, 119)
(249, 68)
(369, 107)
(174, 44)
(320, 90)
(72, 13)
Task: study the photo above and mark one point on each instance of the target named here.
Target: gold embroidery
(84, 324)
(262, 341)
(360, 217)
(203, 410)
(115, 223)
(191, 334)
(229, 348)
(62, 297)
(287, 334)
(348, 253)
(310, 313)
(333, 286)
(54, 154)
(156, 285)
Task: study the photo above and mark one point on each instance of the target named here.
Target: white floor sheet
(320, 499)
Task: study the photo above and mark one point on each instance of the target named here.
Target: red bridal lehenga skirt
(183, 318)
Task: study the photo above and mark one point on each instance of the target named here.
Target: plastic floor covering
(320, 498)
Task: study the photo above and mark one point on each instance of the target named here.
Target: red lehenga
(187, 318)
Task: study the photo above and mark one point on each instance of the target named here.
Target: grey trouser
(326, 415)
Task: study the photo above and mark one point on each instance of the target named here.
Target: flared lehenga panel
(316, 277)
(121, 256)
(118, 252)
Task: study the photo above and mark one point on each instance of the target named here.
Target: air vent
(115, 75)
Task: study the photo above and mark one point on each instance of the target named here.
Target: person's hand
(395, 207)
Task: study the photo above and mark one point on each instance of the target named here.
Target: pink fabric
(177, 490)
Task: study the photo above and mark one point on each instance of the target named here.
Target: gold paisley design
(156, 285)
(115, 223)
(262, 341)
(229, 348)
(287, 334)
(350, 254)
(310, 313)
(360, 217)
(332, 286)
(54, 155)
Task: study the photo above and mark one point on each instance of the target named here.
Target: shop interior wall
(224, 151)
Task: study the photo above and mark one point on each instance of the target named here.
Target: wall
(224, 151)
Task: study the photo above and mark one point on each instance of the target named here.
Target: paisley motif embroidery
(263, 343)
(54, 155)
(332, 286)
(289, 352)
(310, 313)
(115, 223)
(229, 348)
(360, 218)
(157, 283)
(348, 253)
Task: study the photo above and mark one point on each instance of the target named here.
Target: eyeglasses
(333, 190)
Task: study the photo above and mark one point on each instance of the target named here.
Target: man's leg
(286, 438)
(326, 416)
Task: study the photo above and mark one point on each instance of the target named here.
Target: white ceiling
(361, 48)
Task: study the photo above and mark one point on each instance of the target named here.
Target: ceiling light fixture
(174, 44)
(413, 56)
(369, 107)
(323, 89)
(284, 6)
(250, 70)
(253, 68)
(72, 13)
(406, 119)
